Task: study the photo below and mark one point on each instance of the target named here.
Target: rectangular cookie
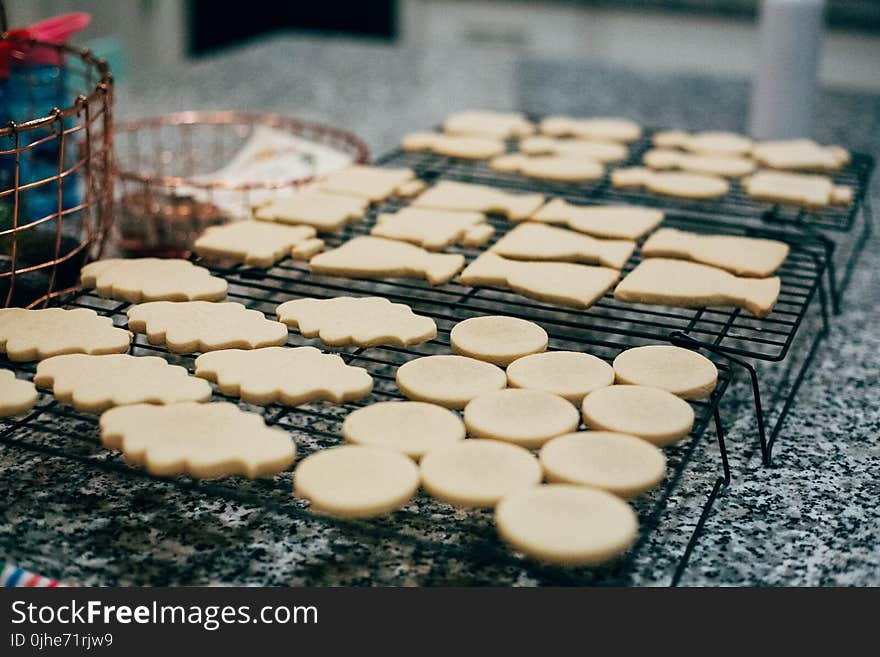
(606, 221)
(452, 195)
(536, 241)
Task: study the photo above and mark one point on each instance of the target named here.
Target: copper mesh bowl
(164, 204)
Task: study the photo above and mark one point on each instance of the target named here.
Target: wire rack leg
(861, 241)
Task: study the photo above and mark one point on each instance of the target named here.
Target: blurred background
(718, 37)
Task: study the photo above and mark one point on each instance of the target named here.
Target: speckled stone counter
(810, 519)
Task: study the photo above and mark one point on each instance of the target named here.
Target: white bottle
(784, 83)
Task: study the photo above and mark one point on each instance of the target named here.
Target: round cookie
(568, 374)
(410, 427)
(616, 462)
(356, 481)
(526, 417)
(478, 472)
(682, 372)
(450, 381)
(567, 525)
(497, 339)
(656, 415)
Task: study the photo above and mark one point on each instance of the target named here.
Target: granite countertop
(810, 519)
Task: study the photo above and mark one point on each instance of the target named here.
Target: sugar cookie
(616, 462)
(191, 326)
(562, 168)
(361, 321)
(537, 241)
(605, 221)
(656, 415)
(731, 166)
(682, 372)
(38, 334)
(478, 473)
(152, 279)
(433, 229)
(200, 440)
(601, 151)
(410, 427)
(376, 257)
(450, 381)
(497, 339)
(562, 283)
(525, 417)
(312, 207)
(499, 125)
(95, 383)
(464, 146)
(714, 142)
(567, 525)
(16, 395)
(809, 190)
(743, 256)
(366, 182)
(569, 374)
(665, 282)
(255, 243)
(800, 154)
(411, 188)
(289, 376)
(611, 129)
(671, 183)
(452, 195)
(356, 481)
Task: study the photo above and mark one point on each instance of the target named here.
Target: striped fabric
(11, 576)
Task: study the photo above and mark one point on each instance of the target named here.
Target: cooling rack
(728, 336)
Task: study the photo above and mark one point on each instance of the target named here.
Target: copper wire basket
(163, 199)
(56, 163)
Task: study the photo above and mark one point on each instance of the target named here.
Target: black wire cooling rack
(728, 336)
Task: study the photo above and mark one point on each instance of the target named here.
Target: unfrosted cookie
(569, 374)
(464, 146)
(616, 462)
(434, 229)
(666, 282)
(497, 339)
(810, 190)
(152, 279)
(255, 243)
(200, 440)
(567, 525)
(192, 326)
(356, 481)
(525, 417)
(361, 321)
(563, 168)
(37, 334)
(715, 142)
(366, 182)
(650, 413)
(452, 195)
(562, 283)
(682, 372)
(289, 376)
(601, 151)
(478, 473)
(605, 221)
(312, 207)
(671, 183)
(800, 154)
(410, 427)
(450, 381)
(744, 256)
(16, 395)
(611, 129)
(95, 383)
(411, 188)
(731, 166)
(499, 125)
(537, 241)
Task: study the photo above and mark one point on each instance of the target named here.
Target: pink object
(55, 30)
